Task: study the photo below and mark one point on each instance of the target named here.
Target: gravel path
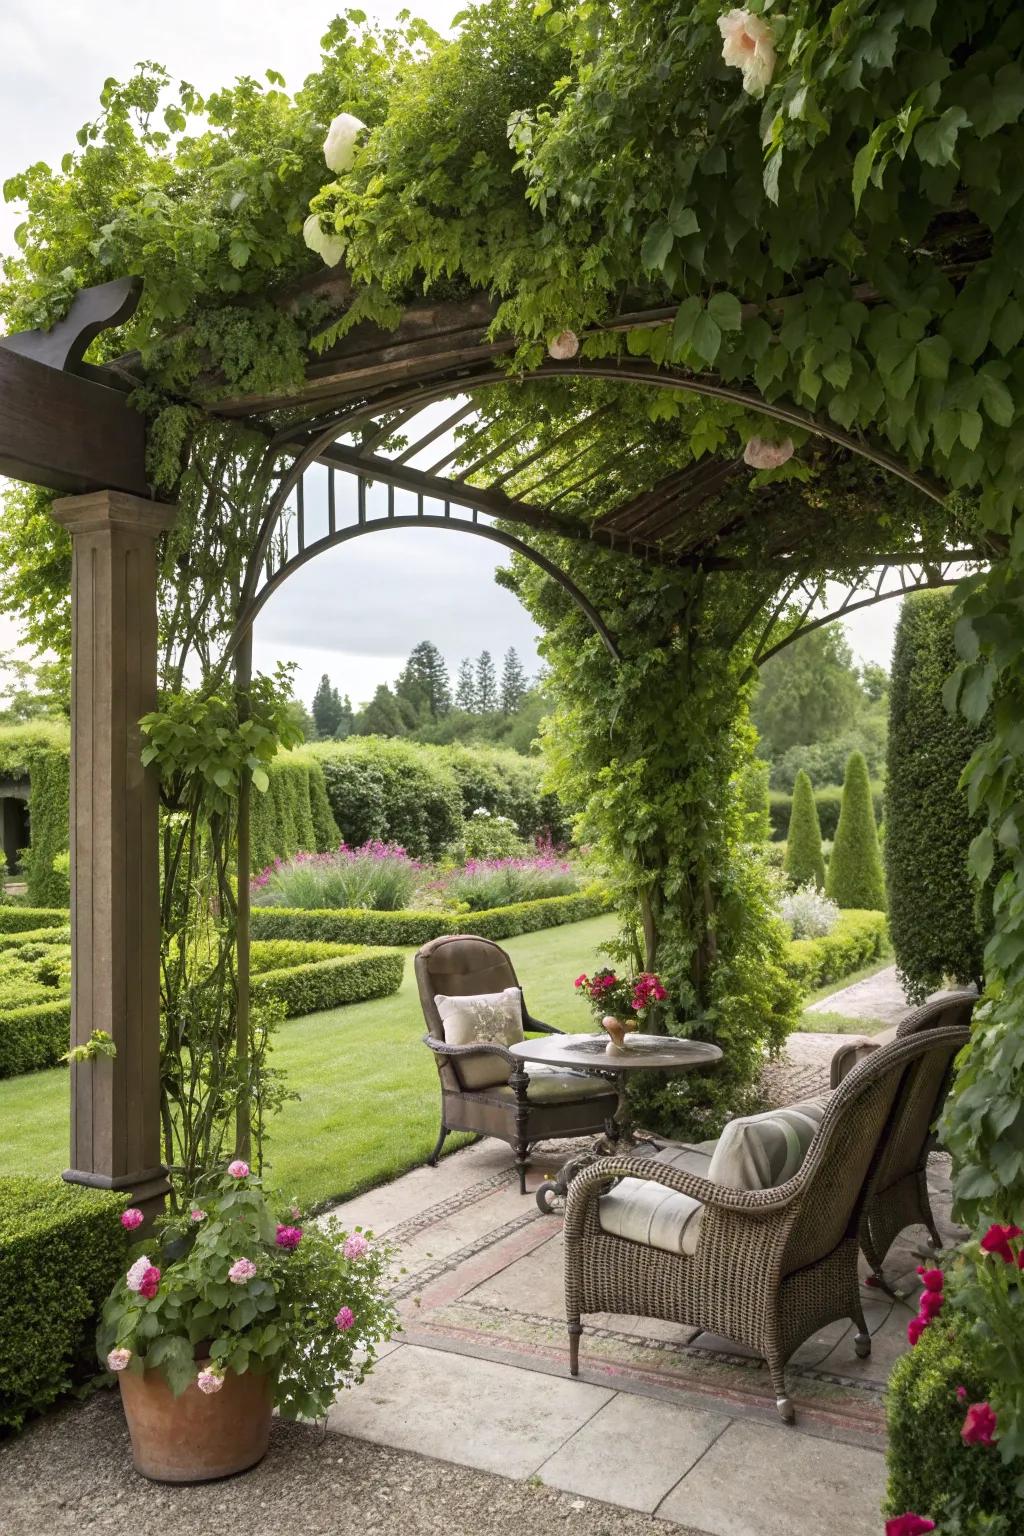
(877, 997)
(71, 1472)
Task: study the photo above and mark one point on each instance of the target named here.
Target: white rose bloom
(340, 143)
(563, 346)
(330, 247)
(747, 45)
(760, 453)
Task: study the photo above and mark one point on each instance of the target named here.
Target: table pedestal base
(620, 1139)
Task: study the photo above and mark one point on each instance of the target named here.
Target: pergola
(344, 444)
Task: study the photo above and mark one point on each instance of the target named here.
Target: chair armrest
(849, 1055)
(529, 1022)
(461, 1052)
(586, 1187)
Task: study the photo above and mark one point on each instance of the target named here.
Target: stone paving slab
(878, 998)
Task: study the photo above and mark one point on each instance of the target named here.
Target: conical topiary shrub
(805, 861)
(855, 869)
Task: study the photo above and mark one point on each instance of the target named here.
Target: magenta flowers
(344, 1319)
(132, 1218)
(909, 1525)
(288, 1237)
(931, 1302)
(610, 993)
(143, 1278)
(979, 1427)
(997, 1241)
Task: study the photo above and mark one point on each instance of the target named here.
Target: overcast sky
(355, 612)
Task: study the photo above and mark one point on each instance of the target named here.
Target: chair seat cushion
(485, 1018)
(556, 1085)
(753, 1152)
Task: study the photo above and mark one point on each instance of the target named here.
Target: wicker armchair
(538, 1104)
(771, 1265)
(952, 1008)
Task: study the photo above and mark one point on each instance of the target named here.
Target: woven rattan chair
(771, 1266)
(535, 1104)
(952, 1008)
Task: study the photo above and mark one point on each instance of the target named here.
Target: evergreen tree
(465, 688)
(804, 859)
(809, 692)
(346, 725)
(381, 717)
(855, 869)
(486, 684)
(513, 683)
(928, 827)
(426, 672)
(327, 708)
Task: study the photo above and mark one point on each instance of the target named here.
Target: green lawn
(369, 1099)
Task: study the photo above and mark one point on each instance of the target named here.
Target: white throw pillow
(489, 1018)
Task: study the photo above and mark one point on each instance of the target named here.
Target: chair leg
(521, 1165)
(861, 1339)
(575, 1329)
(442, 1137)
(777, 1370)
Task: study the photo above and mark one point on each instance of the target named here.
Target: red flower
(908, 1525)
(931, 1279)
(581, 980)
(931, 1304)
(150, 1281)
(979, 1427)
(915, 1328)
(997, 1240)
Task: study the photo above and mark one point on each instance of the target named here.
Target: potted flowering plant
(227, 1313)
(619, 1003)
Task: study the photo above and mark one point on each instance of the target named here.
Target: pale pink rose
(208, 1381)
(344, 1320)
(196, 1214)
(563, 346)
(747, 45)
(132, 1218)
(138, 1272)
(355, 1246)
(238, 1169)
(340, 143)
(118, 1359)
(761, 453)
(241, 1271)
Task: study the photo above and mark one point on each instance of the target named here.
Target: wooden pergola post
(115, 876)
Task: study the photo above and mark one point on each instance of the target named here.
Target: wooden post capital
(98, 510)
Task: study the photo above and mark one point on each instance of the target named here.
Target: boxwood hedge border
(350, 925)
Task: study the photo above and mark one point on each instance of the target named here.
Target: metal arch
(254, 603)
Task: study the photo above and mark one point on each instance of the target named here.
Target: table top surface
(641, 1053)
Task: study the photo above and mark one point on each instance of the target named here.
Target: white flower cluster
(340, 154)
(809, 912)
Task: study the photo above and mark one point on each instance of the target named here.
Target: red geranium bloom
(931, 1304)
(979, 1427)
(998, 1239)
(915, 1328)
(908, 1525)
(931, 1279)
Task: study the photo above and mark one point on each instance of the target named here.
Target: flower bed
(857, 938)
(413, 928)
(61, 1249)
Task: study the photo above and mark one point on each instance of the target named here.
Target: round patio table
(589, 1053)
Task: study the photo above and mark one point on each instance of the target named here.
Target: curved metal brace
(254, 603)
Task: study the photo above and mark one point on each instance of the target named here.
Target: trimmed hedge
(828, 802)
(393, 790)
(34, 936)
(355, 926)
(804, 862)
(330, 983)
(34, 1037)
(930, 1469)
(19, 919)
(855, 879)
(61, 1247)
(293, 814)
(932, 899)
(858, 938)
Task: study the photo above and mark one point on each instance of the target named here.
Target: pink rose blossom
(747, 45)
(344, 1320)
(979, 1427)
(150, 1283)
(208, 1381)
(760, 453)
(909, 1525)
(355, 1246)
(931, 1279)
(118, 1359)
(197, 1215)
(915, 1328)
(241, 1271)
(132, 1218)
(135, 1276)
(288, 1237)
(238, 1169)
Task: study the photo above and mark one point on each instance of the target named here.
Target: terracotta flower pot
(196, 1437)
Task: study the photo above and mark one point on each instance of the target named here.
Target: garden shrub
(828, 802)
(492, 883)
(347, 978)
(507, 784)
(931, 1470)
(41, 752)
(34, 936)
(18, 919)
(34, 1036)
(487, 836)
(61, 1247)
(855, 876)
(414, 928)
(293, 814)
(805, 861)
(932, 897)
(378, 876)
(752, 787)
(808, 913)
(858, 938)
(392, 790)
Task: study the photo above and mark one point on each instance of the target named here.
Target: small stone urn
(616, 1030)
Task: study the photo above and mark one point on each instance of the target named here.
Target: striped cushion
(755, 1152)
